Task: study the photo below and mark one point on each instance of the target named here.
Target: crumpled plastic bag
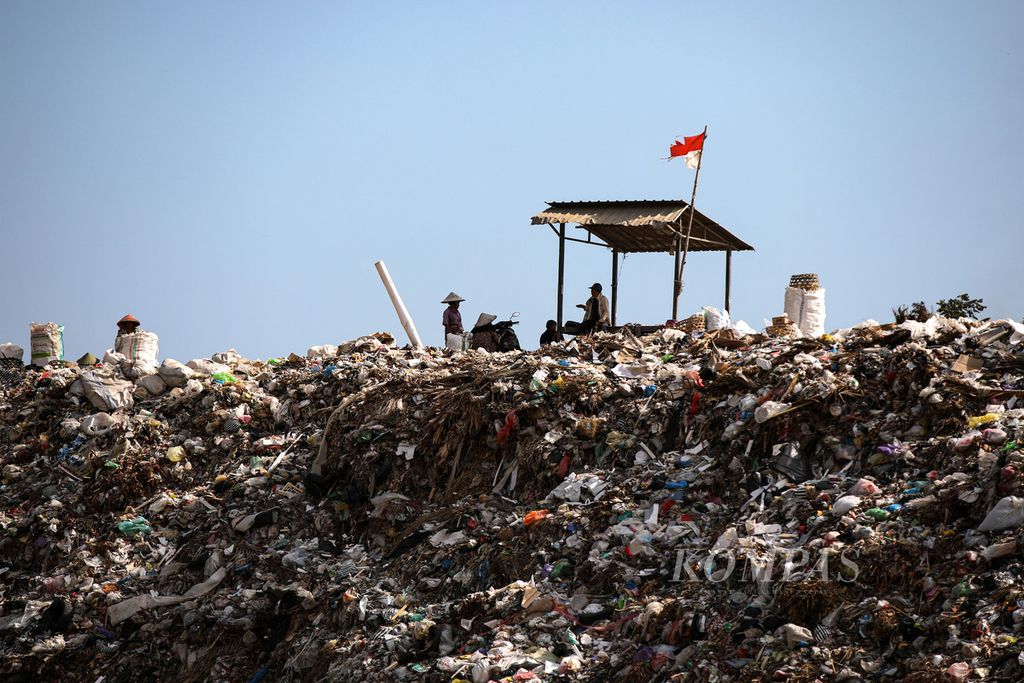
(97, 424)
(579, 487)
(1008, 513)
(768, 410)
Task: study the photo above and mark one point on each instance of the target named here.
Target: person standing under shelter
(595, 316)
(452, 321)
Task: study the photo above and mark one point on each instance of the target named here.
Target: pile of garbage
(674, 507)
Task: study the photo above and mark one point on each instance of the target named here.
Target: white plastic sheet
(1008, 513)
(126, 609)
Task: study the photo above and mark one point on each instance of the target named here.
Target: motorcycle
(496, 336)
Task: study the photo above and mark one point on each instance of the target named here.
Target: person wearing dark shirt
(551, 334)
(595, 317)
(451, 319)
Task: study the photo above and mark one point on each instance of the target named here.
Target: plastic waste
(135, 526)
(768, 410)
(1008, 513)
(845, 504)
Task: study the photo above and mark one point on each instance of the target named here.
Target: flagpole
(689, 228)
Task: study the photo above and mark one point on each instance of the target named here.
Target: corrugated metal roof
(642, 225)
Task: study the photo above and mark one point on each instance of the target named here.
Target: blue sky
(228, 172)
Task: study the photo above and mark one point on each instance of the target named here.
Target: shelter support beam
(561, 271)
(677, 285)
(728, 277)
(615, 283)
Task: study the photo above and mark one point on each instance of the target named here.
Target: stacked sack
(805, 304)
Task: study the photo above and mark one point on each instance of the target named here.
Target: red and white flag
(690, 148)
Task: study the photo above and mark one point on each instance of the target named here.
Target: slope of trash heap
(669, 508)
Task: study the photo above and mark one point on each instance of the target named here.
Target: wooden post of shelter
(728, 277)
(676, 284)
(561, 271)
(615, 282)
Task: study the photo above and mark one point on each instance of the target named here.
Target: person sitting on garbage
(136, 344)
(483, 333)
(127, 325)
(452, 320)
(595, 316)
(551, 334)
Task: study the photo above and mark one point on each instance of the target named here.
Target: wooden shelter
(638, 226)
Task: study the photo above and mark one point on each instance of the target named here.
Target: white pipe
(396, 299)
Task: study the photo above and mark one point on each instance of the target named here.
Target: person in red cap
(127, 325)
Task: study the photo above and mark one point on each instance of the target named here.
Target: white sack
(138, 369)
(794, 304)
(715, 319)
(105, 390)
(11, 351)
(153, 384)
(111, 357)
(229, 356)
(328, 350)
(813, 321)
(457, 342)
(47, 342)
(807, 310)
(138, 347)
(174, 373)
(204, 366)
(742, 328)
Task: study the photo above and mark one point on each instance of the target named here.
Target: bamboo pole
(689, 228)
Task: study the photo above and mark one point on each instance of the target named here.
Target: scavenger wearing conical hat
(128, 320)
(452, 298)
(88, 359)
(485, 319)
